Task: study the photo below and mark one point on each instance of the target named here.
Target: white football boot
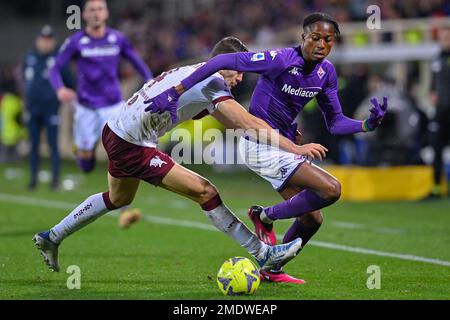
(280, 254)
(49, 250)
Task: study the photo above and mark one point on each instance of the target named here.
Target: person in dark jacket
(439, 127)
(42, 103)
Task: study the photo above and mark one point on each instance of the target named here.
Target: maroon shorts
(130, 160)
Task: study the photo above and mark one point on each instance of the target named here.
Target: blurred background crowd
(257, 22)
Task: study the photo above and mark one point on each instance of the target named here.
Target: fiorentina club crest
(320, 72)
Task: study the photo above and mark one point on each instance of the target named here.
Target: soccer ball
(238, 276)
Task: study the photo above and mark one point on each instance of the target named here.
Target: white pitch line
(359, 226)
(323, 244)
(180, 223)
(51, 204)
(348, 225)
(408, 257)
(389, 230)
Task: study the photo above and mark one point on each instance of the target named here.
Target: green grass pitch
(174, 253)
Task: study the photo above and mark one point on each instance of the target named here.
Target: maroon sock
(108, 202)
(212, 203)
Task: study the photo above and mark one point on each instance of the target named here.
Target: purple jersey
(286, 85)
(97, 61)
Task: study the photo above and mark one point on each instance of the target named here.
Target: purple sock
(86, 165)
(303, 202)
(299, 230)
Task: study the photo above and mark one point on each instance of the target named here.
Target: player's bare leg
(323, 189)
(319, 189)
(121, 192)
(193, 186)
(308, 190)
(86, 161)
(118, 188)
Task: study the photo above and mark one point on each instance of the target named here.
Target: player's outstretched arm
(377, 113)
(338, 123)
(268, 63)
(233, 116)
(131, 55)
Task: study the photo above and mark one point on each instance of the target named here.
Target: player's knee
(120, 200)
(332, 193)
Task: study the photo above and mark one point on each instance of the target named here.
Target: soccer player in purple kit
(97, 51)
(290, 78)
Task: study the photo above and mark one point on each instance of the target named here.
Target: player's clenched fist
(377, 113)
(165, 101)
(298, 137)
(66, 95)
(312, 150)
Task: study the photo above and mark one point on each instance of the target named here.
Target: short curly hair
(228, 45)
(320, 16)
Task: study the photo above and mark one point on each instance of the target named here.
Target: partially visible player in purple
(97, 51)
(290, 78)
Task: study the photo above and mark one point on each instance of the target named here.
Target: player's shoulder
(212, 80)
(217, 82)
(192, 67)
(328, 67)
(284, 57)
(73, 40)
(77, 36)
(110, 30)
(214, 83)
(326, 70)
(269, 54)
(289, 51)
(280, 53)
(182, 72)
(327, 64)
